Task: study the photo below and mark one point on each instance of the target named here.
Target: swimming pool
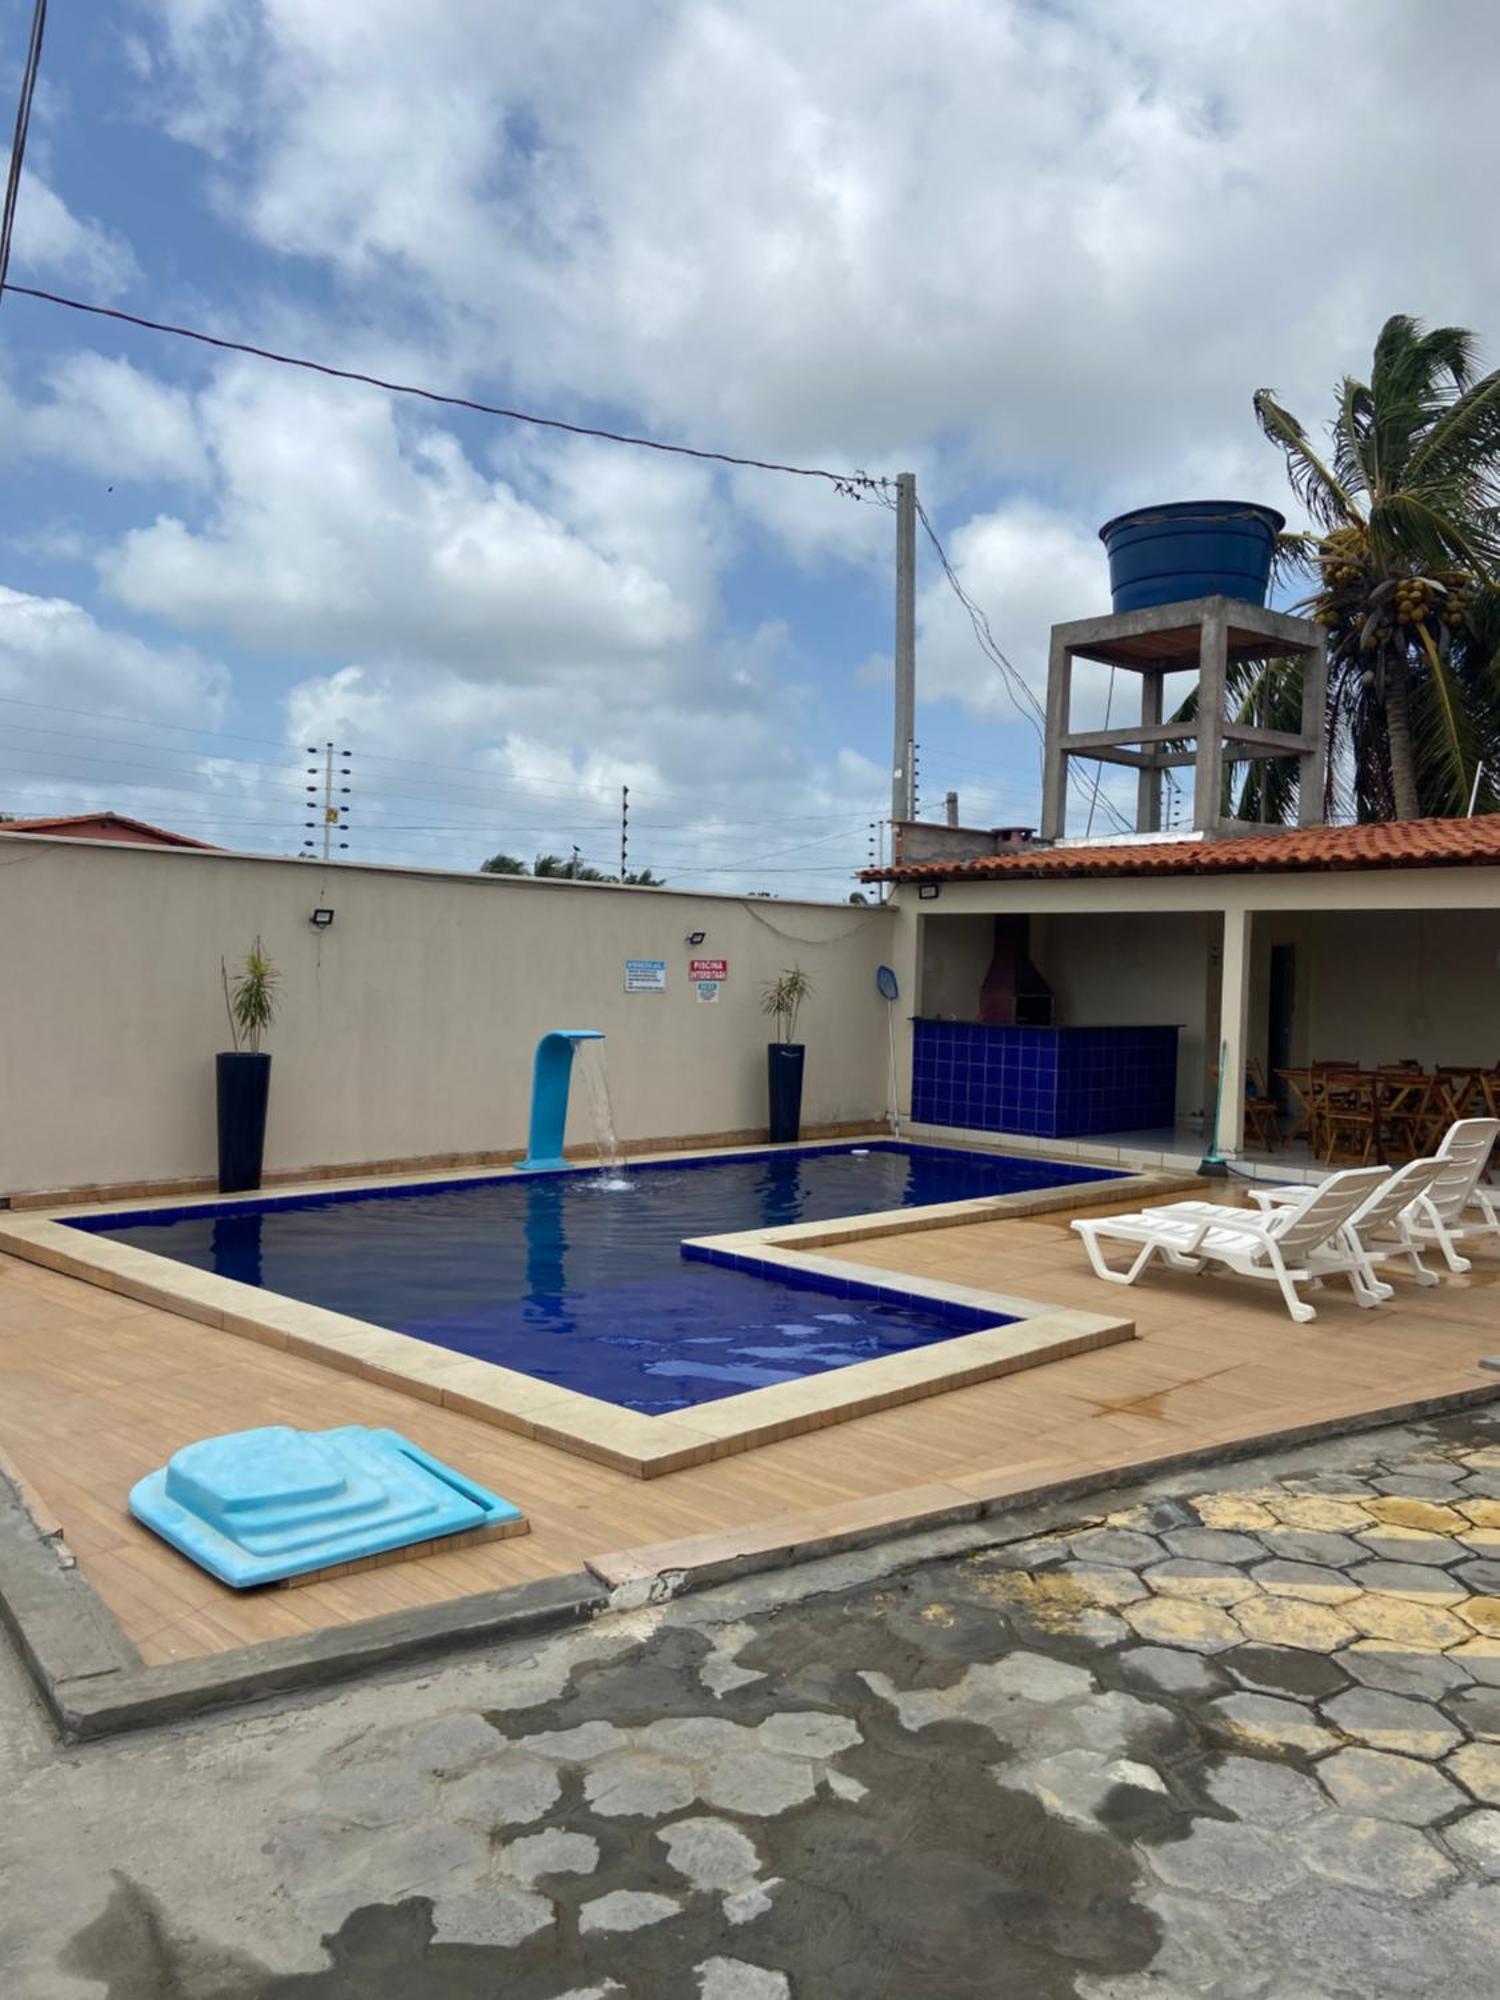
(586, 1285)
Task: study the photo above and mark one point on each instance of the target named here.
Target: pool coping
(625, 1440)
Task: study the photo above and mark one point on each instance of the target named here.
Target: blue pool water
(587, 1285)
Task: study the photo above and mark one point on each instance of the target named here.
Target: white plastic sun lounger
(1300, 1243)
(1382, 1226)
(1456, 1208)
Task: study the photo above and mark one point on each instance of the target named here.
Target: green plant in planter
(783, 997)
(250, 998)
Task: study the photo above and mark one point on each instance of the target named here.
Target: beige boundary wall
(407, 1028)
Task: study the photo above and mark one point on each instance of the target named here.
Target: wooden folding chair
(1350, 1117)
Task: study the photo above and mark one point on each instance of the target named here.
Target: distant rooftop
(1423, 843)
(105, 826)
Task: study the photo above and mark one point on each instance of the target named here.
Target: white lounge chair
(1456, 1207)
(1382, 1226)
(1300, 1243)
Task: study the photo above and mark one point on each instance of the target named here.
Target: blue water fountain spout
(550, 1078)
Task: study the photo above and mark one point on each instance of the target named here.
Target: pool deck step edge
(654, 1572)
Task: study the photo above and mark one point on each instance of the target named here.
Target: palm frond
(1316, 486)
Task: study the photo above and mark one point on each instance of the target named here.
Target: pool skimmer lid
(263, 1505)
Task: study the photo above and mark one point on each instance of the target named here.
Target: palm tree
(1405, 561)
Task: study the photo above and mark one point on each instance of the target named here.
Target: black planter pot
(784, 1076)
(244, 1085)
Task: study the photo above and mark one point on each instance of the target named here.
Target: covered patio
(1082, 998)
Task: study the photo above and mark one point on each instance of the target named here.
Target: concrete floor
(1235, 1736)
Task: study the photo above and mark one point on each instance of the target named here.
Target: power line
(851, 484)
(505, 786)
(18, 143)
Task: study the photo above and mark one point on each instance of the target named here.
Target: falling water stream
(592, 1070)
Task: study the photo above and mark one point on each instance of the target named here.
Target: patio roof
(1425, 843)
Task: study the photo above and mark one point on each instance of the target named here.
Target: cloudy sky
(1039, 251)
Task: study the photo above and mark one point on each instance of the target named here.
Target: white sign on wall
(645, 975)
(708, 989)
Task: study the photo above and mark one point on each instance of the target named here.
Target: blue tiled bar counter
(1058, 1083)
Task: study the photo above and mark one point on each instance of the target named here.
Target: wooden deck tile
(96, 1390)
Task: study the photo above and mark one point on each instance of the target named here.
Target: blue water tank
(1190, 548)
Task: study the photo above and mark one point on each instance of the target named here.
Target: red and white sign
(708, 968)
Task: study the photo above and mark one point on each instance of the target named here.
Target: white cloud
(105, 416)
(1062, 239)
(334, 529)
(64, 678)
(48, 644)
(51, 241)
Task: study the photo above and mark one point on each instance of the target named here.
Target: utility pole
(903, 786)
(624, 829)
(335, 817)
(950, 807)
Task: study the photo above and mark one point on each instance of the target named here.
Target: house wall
(406, 1030)
(1405, 983)
(956, 955)
(1116, 970)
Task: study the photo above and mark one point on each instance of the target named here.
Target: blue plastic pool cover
(258, 1506)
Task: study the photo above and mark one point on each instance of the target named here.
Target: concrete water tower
(1189, 584)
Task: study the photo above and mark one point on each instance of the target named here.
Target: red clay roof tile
(1423, 843)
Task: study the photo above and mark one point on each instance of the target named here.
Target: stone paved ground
(1236, 1735)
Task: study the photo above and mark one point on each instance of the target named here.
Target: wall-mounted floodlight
(928, 892)
(321, 919)
(695, 937)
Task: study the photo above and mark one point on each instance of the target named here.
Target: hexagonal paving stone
(1477, 1765)
(1481, 1574)
(1392, 1722)
(1484, 1513)
(629, 1785)
(1372, 1854)
(1417, 1486)
(1422, 1627)
(756, 1782)
(1225, 1858)
(1175, 1621)
(1104, 1583)
(1413, 1545)
(1234, 1512)
(1297, 1579)
(1214, 1545)
(1340, 1485)
(1380, 1664)
(1381, 1786)
(1476, 1839)
(1476, 1710)
(1309, 1545)
(1428, 1516)
(1262, 1793)
(1480, 1541)
(1287, 1621)
(626, 1910)
(1117, 1546)
(1420, 1581)
(1483, 1613)
(1270, 1724)
(1286, 1670)
(1166, 1670)
(1324, 1512)
(1483, 1485)
(1203, 1582)
(1480, 1659)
